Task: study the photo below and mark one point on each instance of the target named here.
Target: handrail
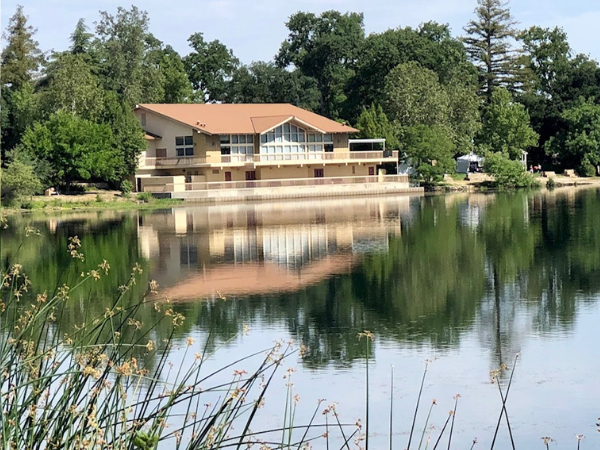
(291, 182)
(191, 161)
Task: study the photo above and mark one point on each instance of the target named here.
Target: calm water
(465, 280)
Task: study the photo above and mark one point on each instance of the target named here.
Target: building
(194, 147)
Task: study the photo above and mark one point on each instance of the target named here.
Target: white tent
(464, 162)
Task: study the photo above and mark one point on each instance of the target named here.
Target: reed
(90, 389)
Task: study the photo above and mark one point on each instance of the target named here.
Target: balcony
(282, 183)
(375, 156)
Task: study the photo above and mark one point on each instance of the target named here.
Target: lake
(465, 281)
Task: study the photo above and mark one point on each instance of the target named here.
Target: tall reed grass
(90, 389)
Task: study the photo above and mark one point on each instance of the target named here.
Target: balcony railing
(197, 161)
(292, 182)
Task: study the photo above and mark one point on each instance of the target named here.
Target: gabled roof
(244, 118)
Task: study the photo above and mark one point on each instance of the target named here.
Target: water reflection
(469, 278)
(265, 248)
(420, 271)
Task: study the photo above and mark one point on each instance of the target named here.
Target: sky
(254, 29)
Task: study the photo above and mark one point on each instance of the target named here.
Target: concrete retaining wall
(257, 194)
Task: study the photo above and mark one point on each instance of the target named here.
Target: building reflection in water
(207, 251)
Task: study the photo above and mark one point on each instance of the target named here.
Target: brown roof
(244, 118)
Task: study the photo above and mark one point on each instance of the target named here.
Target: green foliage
(73, 87)
(23, 110)
(373, 123)
(430, 151)
(578, 143)
(122, 44)
(431, 45)
(18, 182)
(506, 126)
(126, 188)
(415, 96)
(128, 137)
(208, 67)
(262, 82)
(488, 43)
(21, 56)
(145, 197)
(325, 48)
(75, 148)
(507, 172)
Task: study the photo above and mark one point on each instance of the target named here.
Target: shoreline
(112, 200)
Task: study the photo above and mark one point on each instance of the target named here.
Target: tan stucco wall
(340, 142)
(276, 173)
(167, 129)
(156, 183)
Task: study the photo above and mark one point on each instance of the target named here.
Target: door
(371, 171)
(227, 176)
(319, 173)
(250, 177)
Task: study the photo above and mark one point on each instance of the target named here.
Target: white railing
(196, 161)
(327, 156)
(208, 186)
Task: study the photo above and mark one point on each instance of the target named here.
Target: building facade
(199, 144)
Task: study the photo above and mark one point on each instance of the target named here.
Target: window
(250, 175)
(288, 139)
(184, 145)
(238, 145)
(143, 119)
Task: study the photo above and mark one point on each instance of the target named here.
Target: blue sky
(254, 29)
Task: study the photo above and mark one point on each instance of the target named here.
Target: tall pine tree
(488, 43)
(21, 56)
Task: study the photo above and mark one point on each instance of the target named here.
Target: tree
(416, 97)
(262, 82)
(577, 144)
(506, 126)
(507, 172)
(22, 110)
(128, 135)
(325, 48)
(488, 43)
(429, 150)
(464, 111)
(72, 87)
(19, 181)
(75, 148)
(21, 56)
(176, 85)
(81, 38)
(209, 67)
(373, 123)
(122, 47)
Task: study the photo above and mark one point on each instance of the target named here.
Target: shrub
(508, 173)
(99, 198)
(19, 181)
(551, 184)
(145, 197)
(126, 188)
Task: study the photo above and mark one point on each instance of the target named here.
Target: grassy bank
(97, 200)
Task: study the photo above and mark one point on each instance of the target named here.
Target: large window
(288, 141)
(184, 145)
(239, 146)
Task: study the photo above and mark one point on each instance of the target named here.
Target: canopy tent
(465, 162)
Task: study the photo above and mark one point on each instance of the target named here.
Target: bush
(508, 173)
(99, 198)
(145, 197)
(126, 188)
(18, 182)
(550, 184)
